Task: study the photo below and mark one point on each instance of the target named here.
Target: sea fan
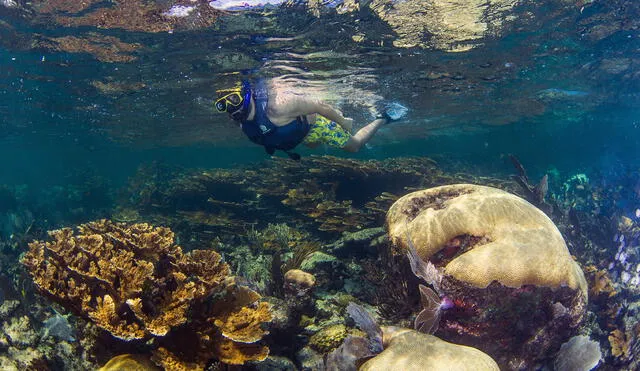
(425, 270)
(348, 355)
(366, 323)
(578, 354)
(428, 320)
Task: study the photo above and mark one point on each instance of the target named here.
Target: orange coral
(620, 343)
(599, 282)
(234, 353)
(168, 361)
(133, 282)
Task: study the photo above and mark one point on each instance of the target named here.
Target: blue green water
(54, 120)
(86, 100)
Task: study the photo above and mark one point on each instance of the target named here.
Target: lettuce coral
(133, 282)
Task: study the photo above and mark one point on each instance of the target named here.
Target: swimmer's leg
(362, 136)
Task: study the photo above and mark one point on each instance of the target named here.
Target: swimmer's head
(235, 101)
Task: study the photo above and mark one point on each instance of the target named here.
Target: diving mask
(229, 103)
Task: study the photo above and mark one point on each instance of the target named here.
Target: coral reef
(134, 283)
(322, 194)
(298, 282)
(502, 260)
(410, 350)
(27, 344)
(244, 218)
(131, 362)
(328, 338)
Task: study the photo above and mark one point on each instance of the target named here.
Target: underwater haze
(107, 121)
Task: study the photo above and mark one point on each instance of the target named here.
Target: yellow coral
(517, 244)
(168, 361)
(234, 353)
(620, 343)
(244, 325)
(409, 350)
(328, 338)
(133, 282)
(129, 362)
(599, 282)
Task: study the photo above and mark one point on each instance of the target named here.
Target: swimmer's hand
(347, 124)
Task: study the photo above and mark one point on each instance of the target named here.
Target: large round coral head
(481, 234)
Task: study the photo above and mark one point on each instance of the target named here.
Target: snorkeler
(280, 120)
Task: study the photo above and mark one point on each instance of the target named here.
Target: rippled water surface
(142, 74)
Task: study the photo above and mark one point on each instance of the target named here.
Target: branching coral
(620, 343)
(133, 282)
(600, 284)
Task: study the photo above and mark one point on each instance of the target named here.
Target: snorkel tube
(241, 113)
(246, 101)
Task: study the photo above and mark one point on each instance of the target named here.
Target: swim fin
(392, 111)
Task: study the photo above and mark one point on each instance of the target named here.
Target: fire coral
(133, 282)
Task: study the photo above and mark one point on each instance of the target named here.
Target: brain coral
(410, 350)
(515, 243)
(517, 292)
